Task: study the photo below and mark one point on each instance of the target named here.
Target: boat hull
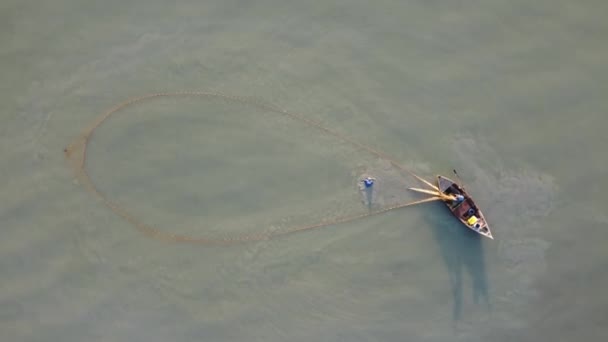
(465, 209)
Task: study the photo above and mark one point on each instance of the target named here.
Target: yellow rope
(76, 153)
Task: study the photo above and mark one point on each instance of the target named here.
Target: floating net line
(76, 154)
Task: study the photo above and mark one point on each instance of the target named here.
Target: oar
(423, 180)
(422, 201)
(435, 193)
(425, 191)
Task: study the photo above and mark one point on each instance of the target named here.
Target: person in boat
(459, 199)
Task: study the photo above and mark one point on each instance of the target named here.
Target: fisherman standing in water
(368, 183)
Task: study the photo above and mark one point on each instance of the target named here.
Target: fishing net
(211, 168)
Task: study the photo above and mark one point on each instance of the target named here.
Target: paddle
(459, 180)
(425, 191)
(424, 181)
(435, 193)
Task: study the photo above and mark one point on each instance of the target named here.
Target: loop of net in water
(353, 205)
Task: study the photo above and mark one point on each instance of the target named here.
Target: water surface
(511, 94)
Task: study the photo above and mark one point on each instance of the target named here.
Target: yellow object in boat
(472, 220)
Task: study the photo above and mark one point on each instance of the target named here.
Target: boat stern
(485, 231)
(488, 234)
(479, 225)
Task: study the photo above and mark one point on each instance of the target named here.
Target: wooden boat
(459, 202)
(466, 211)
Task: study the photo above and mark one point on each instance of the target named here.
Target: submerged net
(229, 169)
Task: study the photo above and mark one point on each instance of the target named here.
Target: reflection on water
(463, 253)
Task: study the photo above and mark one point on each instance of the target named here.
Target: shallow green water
(511, 94)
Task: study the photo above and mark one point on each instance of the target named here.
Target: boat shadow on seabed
(462, 251)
